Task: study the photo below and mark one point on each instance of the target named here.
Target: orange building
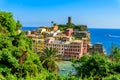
(55, 28)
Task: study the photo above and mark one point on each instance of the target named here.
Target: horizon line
(88, 27)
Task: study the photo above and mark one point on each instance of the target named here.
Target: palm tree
(48, 58)
(52, 22)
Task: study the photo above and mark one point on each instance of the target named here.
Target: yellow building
(38, 45)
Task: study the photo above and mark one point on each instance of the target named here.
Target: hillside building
(98, 47)
(67, 48)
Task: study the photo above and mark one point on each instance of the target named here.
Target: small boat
(72, 70)
(115, 36)
(109, 35)
(63, 69)
(72, 73)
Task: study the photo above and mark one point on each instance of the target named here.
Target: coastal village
(59, 40)
(57, 52)
(70, 40)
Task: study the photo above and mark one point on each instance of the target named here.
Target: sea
(107, 37)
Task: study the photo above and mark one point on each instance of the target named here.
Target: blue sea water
(29, 28)
(107, 37)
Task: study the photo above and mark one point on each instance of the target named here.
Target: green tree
(16, 56)
(94, 65)
(7, 22)
(115, 54)
(18, 25)
(48, 58)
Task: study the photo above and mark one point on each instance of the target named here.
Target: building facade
(71, 49)
(38, 45)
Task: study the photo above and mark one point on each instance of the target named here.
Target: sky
(93, 13)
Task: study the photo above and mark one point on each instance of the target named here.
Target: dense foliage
(97, 66)
(64, 27)
(78, 27)
(16, 57)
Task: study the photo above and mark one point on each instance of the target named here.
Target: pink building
(71, 49)
(51, 42)
(74, 49)
(69, 31)
(34, 32)
(85, 45)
